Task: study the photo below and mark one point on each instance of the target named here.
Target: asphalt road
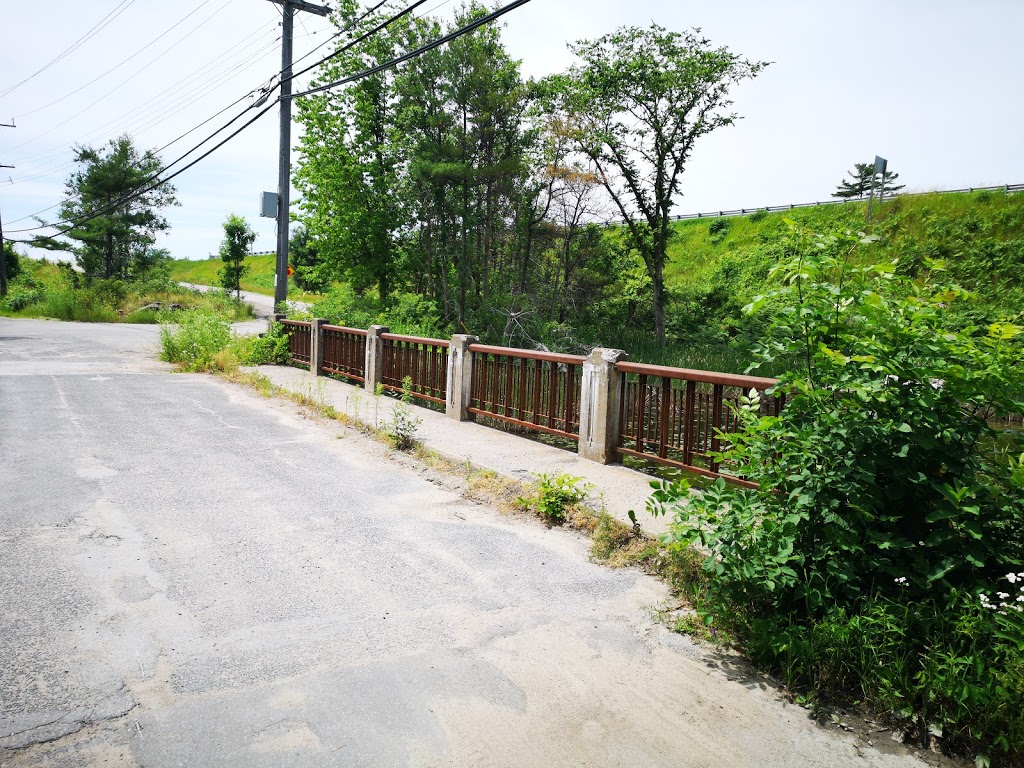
(193, 575)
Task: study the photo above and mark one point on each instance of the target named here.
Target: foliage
(12, 262)
(270, 348)
(403, 426)
(637, 103)
(879, 486)
(864, 177)
(194, 342)
(57, 291)
(115, 214)
(553, 495)
(312, 272)
(238, 238)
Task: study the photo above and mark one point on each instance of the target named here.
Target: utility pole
(3, 253)
(284, 167)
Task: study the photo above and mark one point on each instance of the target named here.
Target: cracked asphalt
(191, 575)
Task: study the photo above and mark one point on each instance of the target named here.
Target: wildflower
(902, 581)
(1012, 578)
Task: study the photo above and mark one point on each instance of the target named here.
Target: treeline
(454, 178)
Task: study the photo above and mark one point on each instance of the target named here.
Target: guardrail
(423, 361)
(535, 390)
(299, 344)
(678, 417)
(344, 352)
(610, 407)
(1006, 188)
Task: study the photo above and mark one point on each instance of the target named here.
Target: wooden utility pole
(284, 165)
(3, 253)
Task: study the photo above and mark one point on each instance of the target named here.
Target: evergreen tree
(111, 218)
(860, 185)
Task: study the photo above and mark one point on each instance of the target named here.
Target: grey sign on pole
(880, 165)
(268, 205)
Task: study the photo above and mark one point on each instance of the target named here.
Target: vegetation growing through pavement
(552, 496)
(887, 514)
(403, 426)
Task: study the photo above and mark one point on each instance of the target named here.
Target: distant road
(261, 303)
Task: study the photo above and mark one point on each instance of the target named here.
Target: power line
(135, 193)
(497, 14)
(146, 113)
(119, 64)
(96, 29)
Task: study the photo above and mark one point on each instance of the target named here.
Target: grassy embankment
(718, 265)
(43, 289)
(259, 278)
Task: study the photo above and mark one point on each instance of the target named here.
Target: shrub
(883, 497)
(194, 342)
(553, 495)
(403, 426)
(270, 348)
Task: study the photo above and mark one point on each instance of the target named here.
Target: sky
(928, 84)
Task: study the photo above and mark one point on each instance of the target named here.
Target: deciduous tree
(640, 98)
(238, 237)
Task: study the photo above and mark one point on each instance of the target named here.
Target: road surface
(193, 575)
(262, 304)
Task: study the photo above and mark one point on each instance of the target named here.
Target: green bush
(882, 493)
(271, 348)
(553, 495)
(195, 341)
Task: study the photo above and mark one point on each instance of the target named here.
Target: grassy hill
(717, 265)
(259, 279)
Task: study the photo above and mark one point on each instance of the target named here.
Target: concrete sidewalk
(617, 488)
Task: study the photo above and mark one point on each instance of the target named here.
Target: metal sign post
(880, 165)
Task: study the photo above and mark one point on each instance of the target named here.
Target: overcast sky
(932, 85)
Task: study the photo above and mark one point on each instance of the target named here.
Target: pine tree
(860, 186)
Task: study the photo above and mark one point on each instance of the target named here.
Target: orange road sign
(290, 270)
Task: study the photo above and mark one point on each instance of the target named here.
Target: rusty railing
(675, 416)
(425, 361)
(344, 352)
(536, 390)
(298, 340)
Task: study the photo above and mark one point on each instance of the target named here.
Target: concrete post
(599, 406)
(374, 356)
(460, 377)
(316, 345)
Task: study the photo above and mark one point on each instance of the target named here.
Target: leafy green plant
(884, 503)
(195, 341)
(403, 426)
(270, 348)
(553, 495)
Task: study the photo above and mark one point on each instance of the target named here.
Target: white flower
(1012, 578)
(1002, 595)
(983, 598)
(902, 581)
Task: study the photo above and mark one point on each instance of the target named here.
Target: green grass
(259, 279)
(44, 290)
(923, 221)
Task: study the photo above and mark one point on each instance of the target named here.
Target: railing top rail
(706, 377)
(345, 329)
(297, 323)
(551, 357)
(415, 339)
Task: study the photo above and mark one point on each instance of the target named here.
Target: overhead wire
(91, 33)
(136, 192)
(148, 45)
(144, 117)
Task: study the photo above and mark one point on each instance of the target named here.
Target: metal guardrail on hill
(1006, 188)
